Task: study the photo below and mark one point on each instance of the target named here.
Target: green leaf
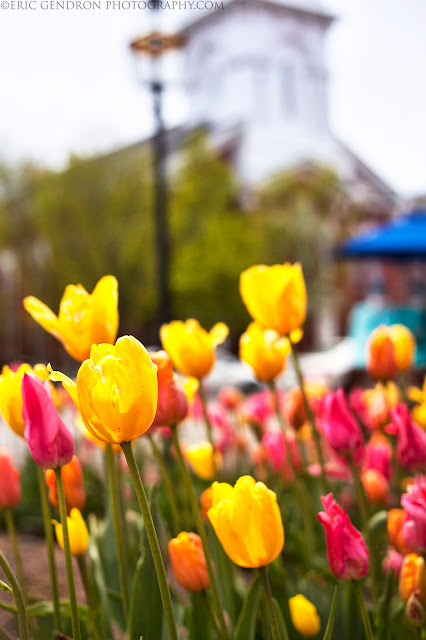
(199, 618)
(246, 625)
(146, 611)
(227, 577)
(281, 623)
(330, 624)
(378, 522)
(5, 587)
(100, 596)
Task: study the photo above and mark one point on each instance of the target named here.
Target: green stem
(263, 572)
(81, 560)
(212, 613)
(310, 416)
(118, 531)
(362, 501)
(303, 495)
(153, 540)
(10, 523)
(18, 597)
(189, 489)
(68, 557)
(208, 423)
(48, 532)
(363, 610)
(167, 486)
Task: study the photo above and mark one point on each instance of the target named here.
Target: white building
(256, 74)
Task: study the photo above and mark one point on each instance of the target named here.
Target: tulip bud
(203, 460)
(395, 533)
(10, 486)
(414, 503)
(411, 439)
(412, 578)
(190, 347)
(264, 351)
(304, 616)
(391, 350)
(188, 562)
(340, 428)
(77, 531)
(72, 478)
(414, 611)
(11, 393)
(49, 440)
(172, 405)
(346, 549)
(375, 485)
(247, 521)
(275, 297)
(294, 408)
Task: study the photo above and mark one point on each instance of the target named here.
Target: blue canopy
(403, 238)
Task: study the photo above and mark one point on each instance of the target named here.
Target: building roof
(287, 8)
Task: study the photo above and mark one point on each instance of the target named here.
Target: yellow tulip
(304, 616)
(418, 396)
(84, 319)
(77, 531)
(275, 296)
(247, 521)
(11, 394)
(200, 457)
(390, 350)
(264, 351)
(190, 347)
(116, 390)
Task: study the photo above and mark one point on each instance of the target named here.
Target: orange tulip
(375, 485)
(395, 522)
(413, 578)
(72, 477)
(391, 350)
(188, 562)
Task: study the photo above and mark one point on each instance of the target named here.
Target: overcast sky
(68, 84)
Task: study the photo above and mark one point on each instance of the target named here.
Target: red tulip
(48, 438)
(10, 485)
(172, 404)
(346, 548)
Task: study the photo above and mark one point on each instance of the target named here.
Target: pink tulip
(392, 561)
(49, 440)
(338, 425)
(258, 408)
(10, 485)
(414, 503)
(411, 446)
(275, 447)
(378, 456)
(346, 548)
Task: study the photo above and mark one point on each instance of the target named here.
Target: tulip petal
(219, 333)
(43, 315)
(104, 310)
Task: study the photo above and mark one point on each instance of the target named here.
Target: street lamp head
(156, 44)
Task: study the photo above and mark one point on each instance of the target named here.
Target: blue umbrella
(404, 238)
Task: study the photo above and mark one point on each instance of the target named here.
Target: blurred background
(174, 146)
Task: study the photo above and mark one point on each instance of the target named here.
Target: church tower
(256, 74)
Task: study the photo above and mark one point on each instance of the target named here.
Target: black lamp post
(151, 48)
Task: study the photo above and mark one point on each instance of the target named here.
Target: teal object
(366, 316)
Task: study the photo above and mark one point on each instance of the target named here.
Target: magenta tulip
(49, 440)
(346, 548)
(338, 425)
(411, 446)
(414, 503)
